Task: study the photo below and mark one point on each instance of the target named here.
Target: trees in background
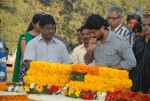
(15, 15)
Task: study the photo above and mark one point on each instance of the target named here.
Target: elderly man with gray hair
(114, 17)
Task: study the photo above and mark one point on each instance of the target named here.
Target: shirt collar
(108, 39)
(52, 40)
(109, 36)
(117, 29)
(82, 45)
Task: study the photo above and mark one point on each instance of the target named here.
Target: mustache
(85, 39)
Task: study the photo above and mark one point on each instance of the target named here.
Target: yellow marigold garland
(108, 79)
(100, 79)
(45, 73)
(81, 68)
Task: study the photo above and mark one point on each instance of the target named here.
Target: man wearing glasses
(114, 18)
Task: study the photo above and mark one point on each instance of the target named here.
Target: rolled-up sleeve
(127, 54)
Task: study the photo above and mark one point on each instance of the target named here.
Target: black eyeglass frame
(113, 18)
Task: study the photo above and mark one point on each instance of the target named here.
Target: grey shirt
(116, 50)
(55, 51)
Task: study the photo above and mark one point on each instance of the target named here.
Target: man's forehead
(133, 20)
(146, 20)
(85, 30)
(113, 13)
(50, 25)
(92, 30)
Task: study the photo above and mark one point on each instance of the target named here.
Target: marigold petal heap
(103, 80)
(100, 79)
(44, 73)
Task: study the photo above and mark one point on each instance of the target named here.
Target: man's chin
(87, 41)
(49, 37)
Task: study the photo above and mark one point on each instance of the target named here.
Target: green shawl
(28, 37)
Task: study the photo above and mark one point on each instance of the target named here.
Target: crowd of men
(102, 42)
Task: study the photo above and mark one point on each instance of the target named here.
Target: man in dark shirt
(141, 73)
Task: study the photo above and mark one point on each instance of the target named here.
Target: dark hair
(36, 18)
(95, 21)
(78, 29)
(47, 19)
(133, 16)
(137, 27)
(146, 16)
(82, 27)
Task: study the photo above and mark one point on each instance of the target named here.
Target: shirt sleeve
(66, 57)
(127, 54)
(74, 56)
(30, 51)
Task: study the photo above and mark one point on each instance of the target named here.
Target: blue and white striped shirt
(121, 30)
(2, 63)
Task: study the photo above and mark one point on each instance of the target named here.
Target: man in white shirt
(79, 52)
(46, 47)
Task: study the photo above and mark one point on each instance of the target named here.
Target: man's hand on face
(92, 44)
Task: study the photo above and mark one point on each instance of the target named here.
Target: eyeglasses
(113, 18)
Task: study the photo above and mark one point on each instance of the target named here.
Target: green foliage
(69, 15)
(76, 76)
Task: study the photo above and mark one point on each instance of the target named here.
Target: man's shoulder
(34, 41)
(120, 37)
(59, 42)
(124, 28)
(139, 40)
(123, 31)
(1, 45)
(79, 47)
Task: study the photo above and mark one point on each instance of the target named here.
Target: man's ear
(102, 28)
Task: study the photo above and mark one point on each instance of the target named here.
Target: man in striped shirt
(114, 18)
(2, 63)
(140, 75)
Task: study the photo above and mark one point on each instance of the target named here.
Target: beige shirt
(78, 55)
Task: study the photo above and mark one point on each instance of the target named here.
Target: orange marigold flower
(81, 68)
(39, 88)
